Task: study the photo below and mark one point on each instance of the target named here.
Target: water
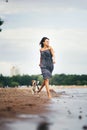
(67, 112)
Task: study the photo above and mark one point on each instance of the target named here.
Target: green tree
(14, 84)
(26, 80)
(1, 85)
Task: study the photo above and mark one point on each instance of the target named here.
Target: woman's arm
(40, 62)
(40, 59)
(53, 55)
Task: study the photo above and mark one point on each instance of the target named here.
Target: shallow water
(67, 112)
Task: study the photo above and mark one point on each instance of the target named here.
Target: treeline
(57, 79)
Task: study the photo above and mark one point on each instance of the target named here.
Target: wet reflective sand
(67, 110)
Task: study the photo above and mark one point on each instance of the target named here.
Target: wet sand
(67, 110)
(15, 101)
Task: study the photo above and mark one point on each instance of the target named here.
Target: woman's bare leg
(47, 87)
(41, 86)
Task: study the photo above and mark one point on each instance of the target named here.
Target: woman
(47, 60)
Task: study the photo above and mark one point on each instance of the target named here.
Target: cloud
(66, 39)
(46, 6)
(21, 47)
(26, 22)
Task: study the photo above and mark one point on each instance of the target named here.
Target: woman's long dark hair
(43, 40)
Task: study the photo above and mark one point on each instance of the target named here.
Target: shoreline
(14, 101)
(20, 109)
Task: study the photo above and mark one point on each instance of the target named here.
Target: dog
(35, 86)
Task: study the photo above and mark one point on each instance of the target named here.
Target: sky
(64, 22)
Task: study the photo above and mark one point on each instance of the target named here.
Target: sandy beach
(67, 110)
(15, 101)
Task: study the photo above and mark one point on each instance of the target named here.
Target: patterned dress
(47, 65)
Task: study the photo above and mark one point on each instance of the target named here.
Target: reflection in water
(43, 126)
(3, 125)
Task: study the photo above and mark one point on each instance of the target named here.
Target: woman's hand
(53, 58)
(39, 64)
(54, 62)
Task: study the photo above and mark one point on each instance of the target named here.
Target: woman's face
(46, 43)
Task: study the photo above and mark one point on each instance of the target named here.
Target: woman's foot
(38, 91)
(49, 96)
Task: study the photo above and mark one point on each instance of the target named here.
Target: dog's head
(33, 82)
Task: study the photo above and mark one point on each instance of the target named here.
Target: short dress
(46, 65)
